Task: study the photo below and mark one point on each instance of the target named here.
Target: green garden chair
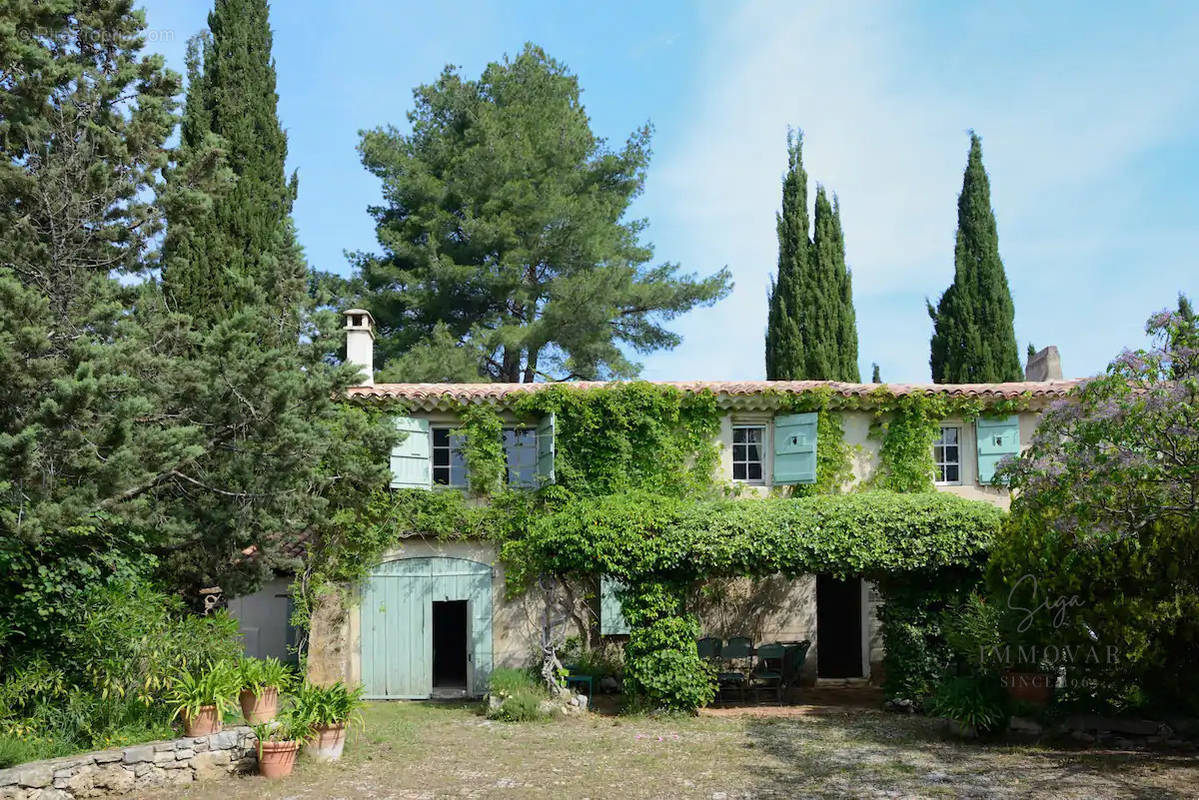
(736, 652)
(709, 648)
(768, 673)
(794, 656)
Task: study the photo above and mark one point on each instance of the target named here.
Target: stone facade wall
(129, 769)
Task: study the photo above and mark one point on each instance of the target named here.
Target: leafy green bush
(972, 701)
(520, 694)
(603, 660)
(972, 631)
(133, 639)
(658, 546)
(1105, 512)
(105, 683)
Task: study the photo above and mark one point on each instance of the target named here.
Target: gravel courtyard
(417, 750)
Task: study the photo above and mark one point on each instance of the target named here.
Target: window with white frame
(449, 464)
(748, 459)
(947, 455)
(520, 451)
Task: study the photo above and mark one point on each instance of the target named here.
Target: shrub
(133, 639)
(603, 660)
(972, 632)
(1106, 512)
(104, 684)
(972, 701)
(520, 694)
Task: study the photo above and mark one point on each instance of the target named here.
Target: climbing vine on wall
(481, 430)
(627, 436)
(658, 547)
(834, 465)
(908, 429)
(908, 425)
(635, 469)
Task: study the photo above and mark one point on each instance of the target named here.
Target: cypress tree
(974, 339)
(238, 247)
(784, 341)
(833, 341)
(812, 330)
(875, 375)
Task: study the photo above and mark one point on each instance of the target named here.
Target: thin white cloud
(884, 119)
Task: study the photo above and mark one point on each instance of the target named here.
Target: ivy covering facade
(636, 497)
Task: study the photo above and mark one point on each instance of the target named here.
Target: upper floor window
(747, 453)
(520, 451)
(947, 455)
(449, 465)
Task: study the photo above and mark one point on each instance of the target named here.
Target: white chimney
(360, 343)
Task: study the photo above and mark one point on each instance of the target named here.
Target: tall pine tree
(974, 339)
(812, 330)
(240, 249)
(507, 252)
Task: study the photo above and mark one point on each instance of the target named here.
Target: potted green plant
(201, 697)
(262, 679)
(279, 743)
(327, 711)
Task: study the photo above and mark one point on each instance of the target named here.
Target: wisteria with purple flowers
(1105, 517)
(1123, 451)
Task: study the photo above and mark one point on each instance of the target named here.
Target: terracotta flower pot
(208, 721)
(326, 743)
(1035, 688)
(277, 759)
(259, 708)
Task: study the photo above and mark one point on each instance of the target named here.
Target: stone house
(433, 619)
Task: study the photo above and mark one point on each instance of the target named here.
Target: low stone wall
(116, 772)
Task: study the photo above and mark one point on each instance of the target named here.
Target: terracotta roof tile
(434, 395)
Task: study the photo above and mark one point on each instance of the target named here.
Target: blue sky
(1089, 114)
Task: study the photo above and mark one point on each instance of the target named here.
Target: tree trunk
(531, 366)
(328, 643)
(510, 366)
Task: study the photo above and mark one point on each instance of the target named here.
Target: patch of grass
(16, 750)
(78, 723)
(447, 750)
(520, 694)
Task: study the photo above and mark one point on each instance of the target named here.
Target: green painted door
(397, 624)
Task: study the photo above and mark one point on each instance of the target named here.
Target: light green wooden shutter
(612, 619)
(410, 457)
(545, 449)
(997, 439)
(795, 448)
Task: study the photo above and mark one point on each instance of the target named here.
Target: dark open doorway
(449, 645)
(838, 627)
